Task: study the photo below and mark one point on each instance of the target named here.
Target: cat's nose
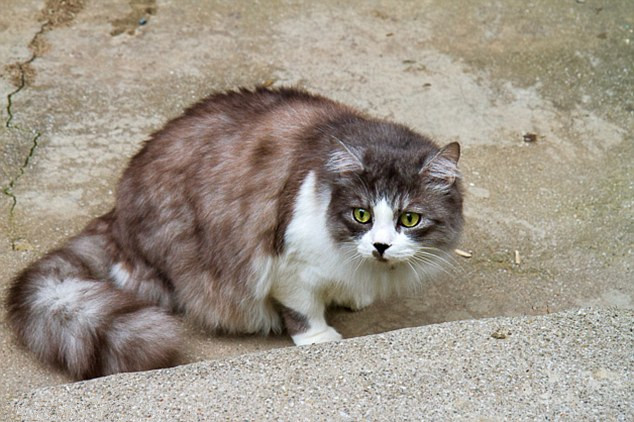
(381, 247)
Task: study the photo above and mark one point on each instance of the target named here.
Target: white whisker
(440, 255)
(429, 261)
(414, 269)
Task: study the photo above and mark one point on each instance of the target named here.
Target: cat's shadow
(377, 318)
(436, 305)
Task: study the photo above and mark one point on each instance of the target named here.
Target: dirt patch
(138, 16)
(575, 53)
(56, 13)
(19, 73)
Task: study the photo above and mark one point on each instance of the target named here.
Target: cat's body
(252, 212)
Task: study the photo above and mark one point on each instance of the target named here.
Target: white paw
(319, 335)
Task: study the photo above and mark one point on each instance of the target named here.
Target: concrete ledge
(574, 365)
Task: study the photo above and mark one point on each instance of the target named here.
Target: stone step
(573, 365)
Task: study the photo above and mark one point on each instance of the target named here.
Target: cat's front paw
(314, 336)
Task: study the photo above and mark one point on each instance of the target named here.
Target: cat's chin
(386, 262)
(379, 258)
(389, 259)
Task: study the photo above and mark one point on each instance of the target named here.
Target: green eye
(361, 215)
(409, 219)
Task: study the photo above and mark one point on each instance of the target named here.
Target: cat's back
(229, 168)
(240, 129)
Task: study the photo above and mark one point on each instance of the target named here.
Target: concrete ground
(571, 366)
(549, 222)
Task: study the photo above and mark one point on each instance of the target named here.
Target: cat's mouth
(379, 257)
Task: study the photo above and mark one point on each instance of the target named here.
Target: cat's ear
(344, 159)
(443, 168)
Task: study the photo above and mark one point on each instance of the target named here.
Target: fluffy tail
(66, 310)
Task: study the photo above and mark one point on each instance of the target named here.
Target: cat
(251, 213)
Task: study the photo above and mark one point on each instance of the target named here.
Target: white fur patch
(74, 297)
(314, 335)
(120, 276)
(383, 224)
(263, 273)
(68, 311)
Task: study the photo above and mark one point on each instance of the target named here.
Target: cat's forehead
(383, 209)
(394, 181)
(382, 194)
(385, 162)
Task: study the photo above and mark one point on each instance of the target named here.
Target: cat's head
(395, 196)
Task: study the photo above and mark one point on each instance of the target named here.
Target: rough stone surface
(83, 83)
(575, 365)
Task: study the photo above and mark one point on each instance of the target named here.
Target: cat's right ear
(443, 167)
(344, 159)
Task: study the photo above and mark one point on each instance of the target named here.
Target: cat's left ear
(443, 168)
(344, 159)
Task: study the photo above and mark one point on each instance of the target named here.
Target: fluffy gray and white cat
(251, 213)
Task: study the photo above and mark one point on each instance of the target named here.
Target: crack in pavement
(8, 190)
(22, 74)
(55, 13)
(16, 91)
(22, 83)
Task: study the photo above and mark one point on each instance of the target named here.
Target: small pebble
(529, 137)
(500, 334)
(462, 253)
(21, 245)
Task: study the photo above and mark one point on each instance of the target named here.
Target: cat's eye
(409, 219)
(361, 215)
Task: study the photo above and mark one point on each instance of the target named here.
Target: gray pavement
(549, 223)
(574, 365)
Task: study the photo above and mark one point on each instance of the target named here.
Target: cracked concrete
(55, 13)
(482, 73)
